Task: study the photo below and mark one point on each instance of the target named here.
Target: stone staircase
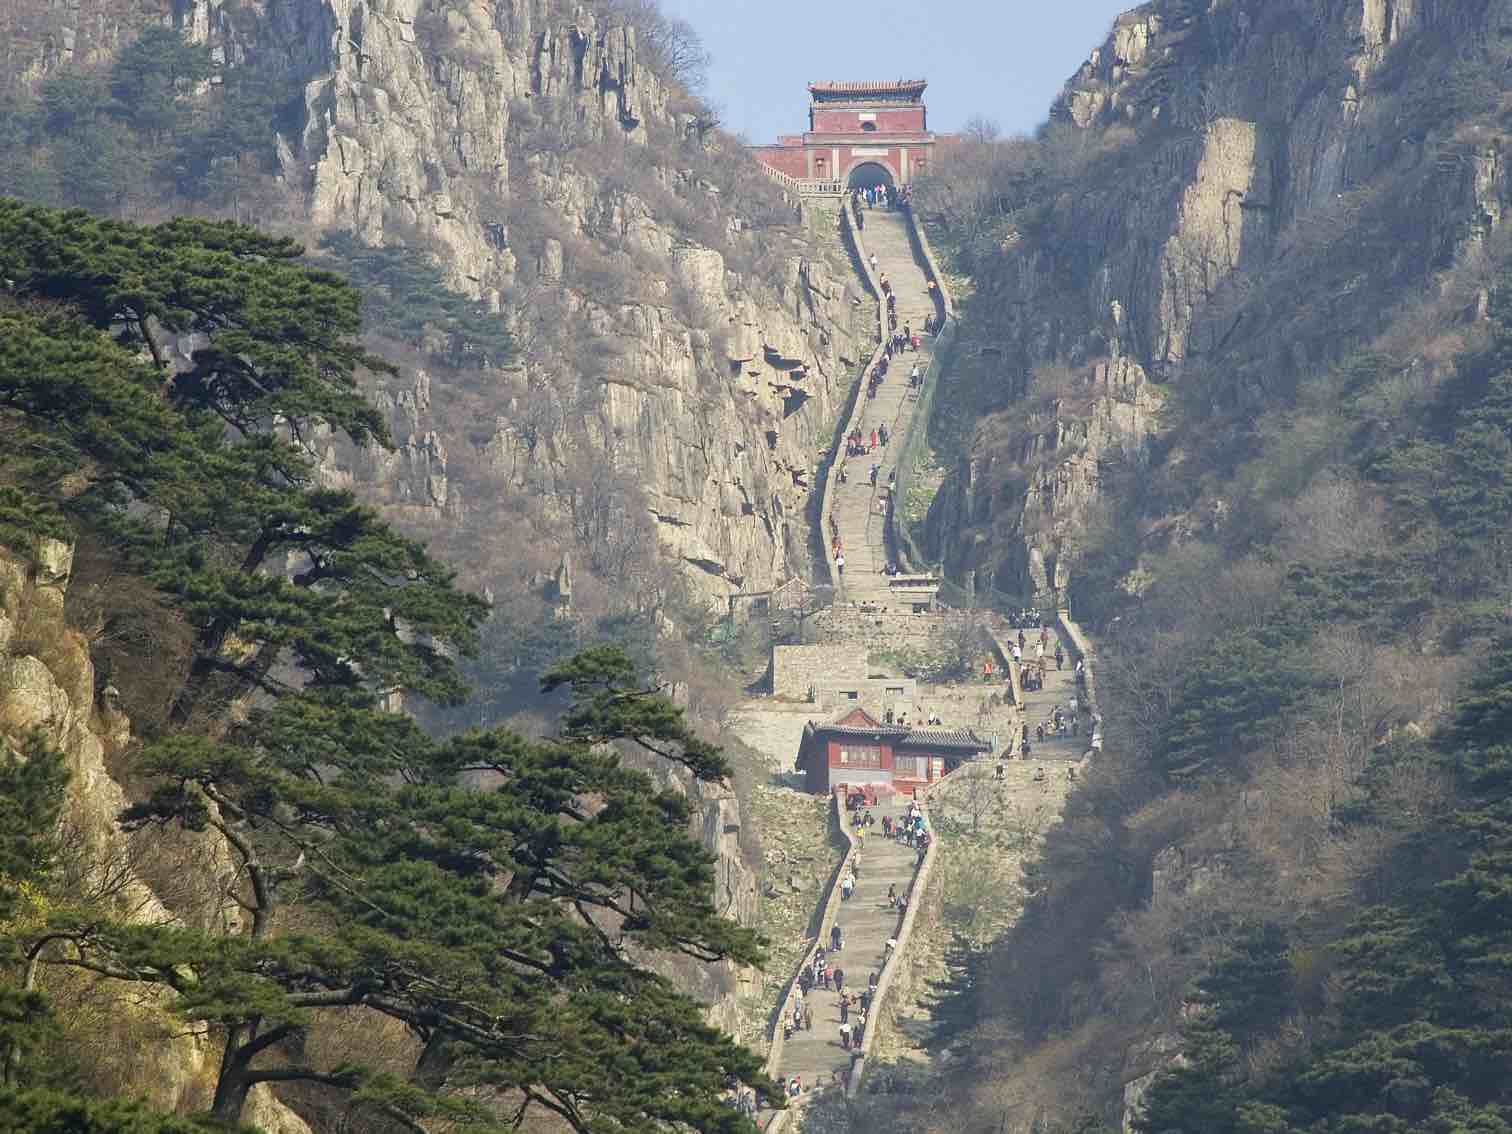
(868, 617)
(855, 509)
(866, 923)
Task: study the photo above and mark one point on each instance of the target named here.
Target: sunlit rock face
(678, 378)
(1233, 136)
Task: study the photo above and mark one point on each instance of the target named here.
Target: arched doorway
(869, 174)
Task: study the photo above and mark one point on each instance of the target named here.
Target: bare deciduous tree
(971, 795)
(671, 44)
(980, 128)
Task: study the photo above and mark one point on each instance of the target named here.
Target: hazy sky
(1005, 59)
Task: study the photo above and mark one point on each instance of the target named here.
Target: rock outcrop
(47, 687)
(1218, 147)
(684, 345)
(476, 131)
(425, 125)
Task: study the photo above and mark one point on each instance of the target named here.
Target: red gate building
(858, 751)
(860, 134)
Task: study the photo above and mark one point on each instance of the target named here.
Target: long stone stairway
(866, 924)
(858, 507)
(857, 514)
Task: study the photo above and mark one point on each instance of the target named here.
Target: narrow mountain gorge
(621, 349)
(680, 336)
(416, 482)
(1231, 384)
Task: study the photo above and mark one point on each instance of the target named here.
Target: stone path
(866, 922)
(1059, 688)
(1025, 803)
(862, 527)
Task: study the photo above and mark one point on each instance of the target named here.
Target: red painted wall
(824, 773)
(909, 118)
(791, 161)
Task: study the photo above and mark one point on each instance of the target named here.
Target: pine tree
(214, 517)
(507, 928)
(1199, 1095)
(502, 926)
(153, 75)
(31, 797)
(1248, 987)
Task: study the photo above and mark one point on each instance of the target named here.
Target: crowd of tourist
(823, 970)
(879, 197)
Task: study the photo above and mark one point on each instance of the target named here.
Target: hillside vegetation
(408, 929)
(490, 383)
(1272, 476)
(593, 233)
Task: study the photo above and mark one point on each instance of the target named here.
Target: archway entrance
(868, 175)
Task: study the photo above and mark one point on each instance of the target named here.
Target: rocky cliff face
(47, 686)
(426, 123)
(685, 336)
(1230, 144)
(478, 131)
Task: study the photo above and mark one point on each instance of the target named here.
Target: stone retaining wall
(926, 253)
(890, 630)
(826, 917)
(1006, 653)
(798, 670)
(929, 897)
(914, 440)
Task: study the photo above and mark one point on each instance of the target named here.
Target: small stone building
(832, 677)
(859, 750)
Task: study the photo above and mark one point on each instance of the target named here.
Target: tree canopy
(495, 897)
(1421, 1034)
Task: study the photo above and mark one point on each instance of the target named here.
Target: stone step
(862, 527)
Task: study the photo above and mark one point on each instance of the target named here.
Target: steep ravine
(1236, 167)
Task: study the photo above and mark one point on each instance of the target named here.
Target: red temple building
(859, 135)
(859, 751)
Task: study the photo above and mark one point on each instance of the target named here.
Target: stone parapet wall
(893, 628)
(998, 633)
(915, 440)
(926, 906)
(824, 675)
(926, 253)
(826, 916)
(1081, 648)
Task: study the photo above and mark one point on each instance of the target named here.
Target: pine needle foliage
(499, 897)
(405, 298)
(1421, 1035)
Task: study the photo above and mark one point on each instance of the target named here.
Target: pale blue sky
(1005, 59)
